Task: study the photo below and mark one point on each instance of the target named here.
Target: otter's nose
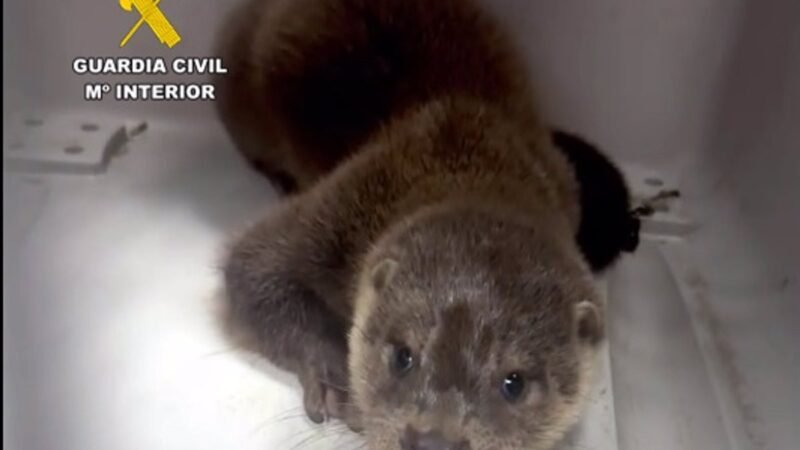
(433, 440)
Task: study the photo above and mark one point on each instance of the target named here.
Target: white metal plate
(58, 141)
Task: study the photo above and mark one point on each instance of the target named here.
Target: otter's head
(473, 332)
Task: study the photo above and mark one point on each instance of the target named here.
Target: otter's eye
(513, 387)
(402, 361)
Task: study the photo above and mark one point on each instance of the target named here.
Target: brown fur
(434, 213)
(311, 80)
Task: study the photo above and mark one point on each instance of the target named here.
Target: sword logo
(156, 20)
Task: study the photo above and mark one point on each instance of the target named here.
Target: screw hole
(73, 149)
(90, 127)
(654, 182)
(34, 122)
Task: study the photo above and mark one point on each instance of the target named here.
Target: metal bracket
(64, 142)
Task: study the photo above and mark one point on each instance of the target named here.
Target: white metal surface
(111, 288)
(61, 141)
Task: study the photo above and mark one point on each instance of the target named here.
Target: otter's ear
(382, 273)
(589, 324)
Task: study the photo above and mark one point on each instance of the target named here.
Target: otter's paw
(322, 401)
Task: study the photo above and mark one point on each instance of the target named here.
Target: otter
(424, 277)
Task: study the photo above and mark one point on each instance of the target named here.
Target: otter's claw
(323, 402)
(314, 402)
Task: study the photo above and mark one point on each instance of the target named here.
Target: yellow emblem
(157, 21)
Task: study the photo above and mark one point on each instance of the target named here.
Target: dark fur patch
(607, 226)
(451, 367)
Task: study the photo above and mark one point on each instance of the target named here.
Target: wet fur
(497, 295)
(293, 278)
(311, 80)
(406, 130)
(297, 110)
